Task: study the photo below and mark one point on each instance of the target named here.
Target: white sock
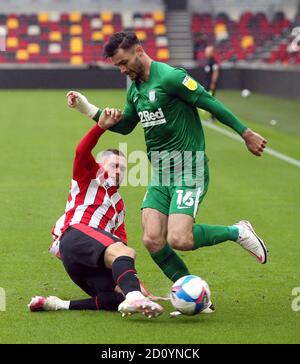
(63, 305)
(135, 295)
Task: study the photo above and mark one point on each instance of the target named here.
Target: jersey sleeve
(179, 83)
(129, 120)
(224, 115)
(84, 161)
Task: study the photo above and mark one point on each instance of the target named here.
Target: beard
(137, 74)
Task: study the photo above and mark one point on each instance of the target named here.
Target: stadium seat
(22, 55)
(76, 45)
(55, 36)
(75, 17)
(239, 40)
(75, 30)
(76, 60)
(77, 37)
(43, 17)
(33, 48)
(12, 42)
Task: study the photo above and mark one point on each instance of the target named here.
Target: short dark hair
(119, 40)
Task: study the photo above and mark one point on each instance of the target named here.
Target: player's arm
(190, 91)
(126, 122)
(84, 159)
(254, 142)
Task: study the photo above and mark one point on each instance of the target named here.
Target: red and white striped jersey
(93, 199)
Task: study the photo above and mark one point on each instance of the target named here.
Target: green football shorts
(176, 199)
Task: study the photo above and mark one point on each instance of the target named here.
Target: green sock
(170, 263)
(207, 235)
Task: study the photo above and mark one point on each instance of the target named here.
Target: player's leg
(184, 234)
(97, 262)
(155, 221)
(120, 259)
(102, 301)
(81, 255)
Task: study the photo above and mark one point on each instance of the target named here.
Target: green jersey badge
(152, 95)
(189, 83)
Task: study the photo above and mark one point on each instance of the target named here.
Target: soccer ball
(246, 93)
(190, 295)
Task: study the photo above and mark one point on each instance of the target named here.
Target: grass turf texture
(38, 136)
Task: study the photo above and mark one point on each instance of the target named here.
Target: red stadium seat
(76, 38)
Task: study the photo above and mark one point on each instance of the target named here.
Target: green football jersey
(166, 105)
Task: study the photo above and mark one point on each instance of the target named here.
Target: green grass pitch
(38, 134)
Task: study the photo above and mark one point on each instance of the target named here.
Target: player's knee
(127, 251)
(180, 241)
(119, 249)
(153, 244)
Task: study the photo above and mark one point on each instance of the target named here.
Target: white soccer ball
(190, 295)
(246, 93)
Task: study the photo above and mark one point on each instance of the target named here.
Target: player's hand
(72, 98)
(254, 142)
(79, 102)
(109, 117)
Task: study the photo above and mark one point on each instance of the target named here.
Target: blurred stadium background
(249, 36)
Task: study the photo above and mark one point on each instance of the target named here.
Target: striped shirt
(93, 198)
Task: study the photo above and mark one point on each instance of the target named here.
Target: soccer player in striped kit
(90, 238)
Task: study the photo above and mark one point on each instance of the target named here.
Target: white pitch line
(274, 153)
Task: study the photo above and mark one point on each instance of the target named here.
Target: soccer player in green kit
(165, 100)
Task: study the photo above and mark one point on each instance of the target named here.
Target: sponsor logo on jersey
(152, 96)
(189, 83)
(149, 118)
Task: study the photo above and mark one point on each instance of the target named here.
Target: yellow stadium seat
(158, 16)
(12, 23)
(76, 60)
(55, 36)
(220, 28)
(75, 30)
(76, 45)
(163, 53)
(160, 29)
(33, 48)
(43, 17)
(97, 36)
(75, 16)
(107, 29)
(22, 55)
(106, 16)
(12, 42)
(247, 41)
(142, 36)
